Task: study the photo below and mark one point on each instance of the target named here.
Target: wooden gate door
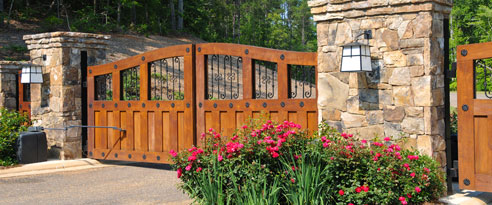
(24, 98)
(475, 116)
(235, 82)
(151, 96)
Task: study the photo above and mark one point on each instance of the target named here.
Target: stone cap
(66, 39)
(324, 10)
(11, 66)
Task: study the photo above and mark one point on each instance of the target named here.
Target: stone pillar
(57, 102)
(403, 97)
(8, 83)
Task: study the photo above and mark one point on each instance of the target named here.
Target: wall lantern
(32, 73)
(356, 57)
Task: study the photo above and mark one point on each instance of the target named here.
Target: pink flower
(245, 127)
(412, 174)
(297, 156)
(253, 134)
(341, 192)
(293, 180)
(406, 165)
(404, 202)
(234, 137)
(203, 135)
(275, 154)
(293, 168)
(188, 168)
(387, 139)
(332, 158)
(348, 147)
(365, 188)
(358, 189)
(191, 158)
(375, 159)
(220, 158)
(344, 135)
(326, 144)
(269, 122)
(350, 135)
(180, 172)
(350, 204)
(198, 169)
(409, 196)
(173, 153)
(211, 129)
(413, 157)
(417, 189)
(363, 141)
(401, 198)
(427, 170)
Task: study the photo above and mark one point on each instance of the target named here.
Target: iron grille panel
(224, 77)
(483, 78)
(103, 87)
(26, 95)
(166, 79)
(265, 80)
(302, 82)
(130, 83)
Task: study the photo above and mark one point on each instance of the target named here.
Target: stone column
(8, 83)
(57, 102)
(403, 97)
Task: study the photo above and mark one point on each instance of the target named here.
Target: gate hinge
(452, 73)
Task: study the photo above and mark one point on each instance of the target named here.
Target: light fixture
(356, 57)
(32, 73)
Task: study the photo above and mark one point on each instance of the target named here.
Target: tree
(180, 14)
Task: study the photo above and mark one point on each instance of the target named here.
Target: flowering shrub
(265, 163)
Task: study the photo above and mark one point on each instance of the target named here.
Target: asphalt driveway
(123, 184)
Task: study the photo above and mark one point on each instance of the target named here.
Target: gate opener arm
(74, 126)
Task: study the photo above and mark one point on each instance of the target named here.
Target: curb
(51, 166)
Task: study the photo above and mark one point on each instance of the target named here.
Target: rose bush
(268, 163)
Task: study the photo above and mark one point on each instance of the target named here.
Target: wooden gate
(24, 96)
(166, 98)
(475, 116)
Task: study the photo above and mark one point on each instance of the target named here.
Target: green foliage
(15, 48)
(268, 163)
(11, 124)
(51, 23)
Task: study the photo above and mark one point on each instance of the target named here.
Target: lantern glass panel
(355, 50)
(347, 51)
(37, 75)
(351, 63)
(366, 63)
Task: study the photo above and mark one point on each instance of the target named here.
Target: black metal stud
(231, 105)
(129, 156)
(103, 105)
(102, 154)
(158, 105)
(187, 50)
(282, 57)
(115, 155)
(129, 104)
(247, 104)
(187, 105)
(143, 58)
(200, 105)
(246, 51)
(90, 105)
(144, 157)
(301, 104)
(282, 104)
(264, 104)
(143, 104)
(464, 108)
(90, 154)
(466, 182)
(116, 105)
(90, 71)
(158, 158)
(199, 49)
(29, 105)
(115, 66)
(172, 104)
(464, 52)
(215, 105)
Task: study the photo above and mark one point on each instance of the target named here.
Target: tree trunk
(180, 16)
(134, 15)
(118, 14)
(303, 35)
(10, 11)
(1, 13)
(95, 4)
(173, 15)
(146, 11)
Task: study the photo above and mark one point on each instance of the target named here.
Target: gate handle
(74, 126)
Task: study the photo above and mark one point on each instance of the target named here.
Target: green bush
(11, 124)
(267, 163)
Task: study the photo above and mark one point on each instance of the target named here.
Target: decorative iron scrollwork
(103, 87)
(166, 79)
(224, 77)
(130, 83)
(265, 79)
(302, 81)
(483, 76)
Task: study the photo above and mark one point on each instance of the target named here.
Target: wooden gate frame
(468, 108)
(116, 145)
(24, 107)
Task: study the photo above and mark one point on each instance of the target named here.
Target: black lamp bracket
(367, 35)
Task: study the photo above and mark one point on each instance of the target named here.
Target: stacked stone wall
(57, 102)
(404, 96)
(8, 83)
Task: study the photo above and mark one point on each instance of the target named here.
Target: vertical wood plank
(200, 73)
(292, 117)
(130, 143)
(151, 132)
(144, 79)
(483, 145)
(183, 140)
(312, 122)
(137, 127)
(302, 119)
(248, 81)
(117, 134)
(158, 132)
(240, 120)
(283, 79)
(116, 85)
(274, 116)
(166, 133)
(124, 135)
(90, 112)
(98, 131)
(111, 133)
(173, 131)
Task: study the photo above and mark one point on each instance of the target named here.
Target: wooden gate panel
(226, 115)
(24, 97)
(474, 122)
(154, 123)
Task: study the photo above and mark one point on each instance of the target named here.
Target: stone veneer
(404, 97)
(8, 83)
(57, 102)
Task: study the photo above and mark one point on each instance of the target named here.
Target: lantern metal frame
(32, 69)
(367, 53)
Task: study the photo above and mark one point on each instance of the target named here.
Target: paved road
(123, 184)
